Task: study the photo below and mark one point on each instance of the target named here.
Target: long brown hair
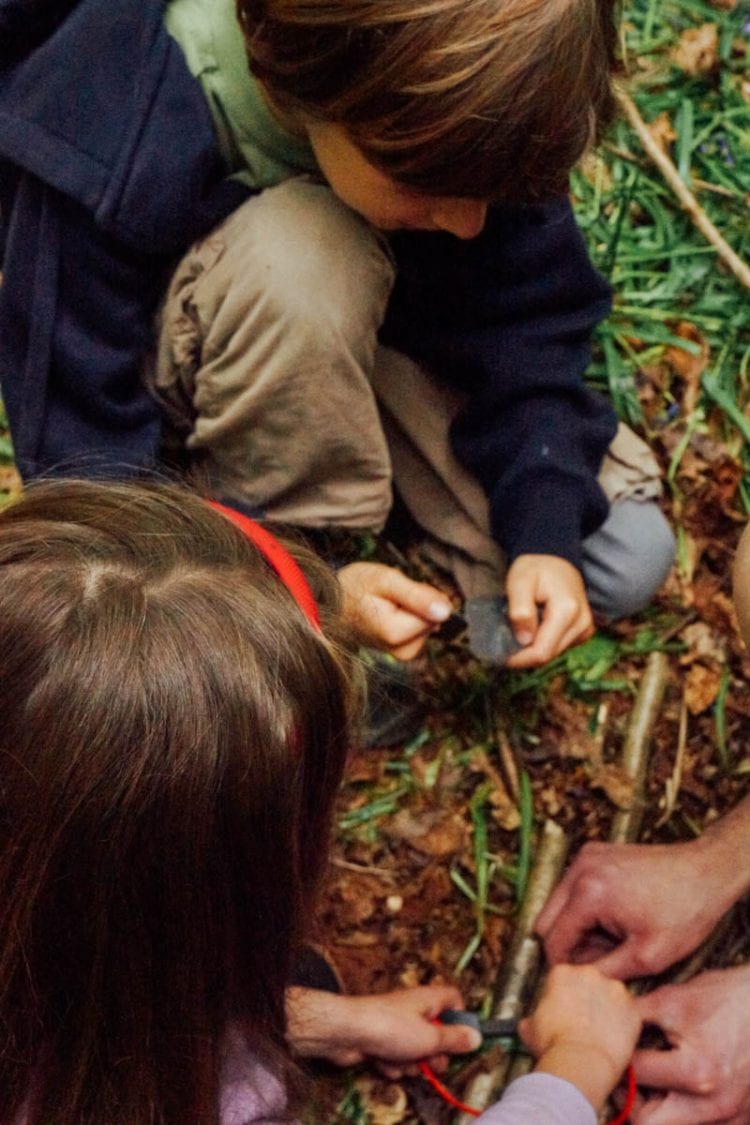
(172, 735)
(488, 99)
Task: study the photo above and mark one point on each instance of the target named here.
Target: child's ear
(741, 584)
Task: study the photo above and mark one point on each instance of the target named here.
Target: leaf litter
(444, 817)
(435, 839)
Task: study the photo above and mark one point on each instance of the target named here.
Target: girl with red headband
(176, 707)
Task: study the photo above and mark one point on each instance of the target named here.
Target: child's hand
(552, 587)
(390, 611)
(584, 1029)
(395, 1028)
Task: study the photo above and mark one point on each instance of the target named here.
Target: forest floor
(436, 838)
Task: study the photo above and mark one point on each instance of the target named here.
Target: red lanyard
(447, 1096)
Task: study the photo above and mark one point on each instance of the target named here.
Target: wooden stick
(634, 760)
(672, 787)
(508, 760)
(689, 202)
(521, 967)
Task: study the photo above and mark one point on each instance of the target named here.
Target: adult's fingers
(680, 1109)
(568, 929)
(622, 962)
(674, 1070)
(553, 908)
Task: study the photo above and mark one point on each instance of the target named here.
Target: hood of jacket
(97, 101)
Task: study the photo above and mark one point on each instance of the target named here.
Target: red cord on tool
(447, 1096)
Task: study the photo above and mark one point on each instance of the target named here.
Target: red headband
(277, 556)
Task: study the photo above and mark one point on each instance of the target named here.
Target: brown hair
(486, 99)
(172, 737)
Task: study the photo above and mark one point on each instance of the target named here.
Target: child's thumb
(458, 1039)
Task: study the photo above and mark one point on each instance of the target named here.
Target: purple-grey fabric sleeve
(540, 1099)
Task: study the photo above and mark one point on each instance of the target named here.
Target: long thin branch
(634, 759)
(521, 966)
(669, 171)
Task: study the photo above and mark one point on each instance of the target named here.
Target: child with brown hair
(175, 716)
(387, 284)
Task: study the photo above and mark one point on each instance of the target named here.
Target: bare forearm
(727, 846)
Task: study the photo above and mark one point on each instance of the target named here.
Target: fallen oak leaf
(687, 365)
(613, 780)
(697, 51)
(663, 131)
(702, 685)
(431, 832)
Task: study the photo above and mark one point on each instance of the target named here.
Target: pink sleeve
(250, 1093)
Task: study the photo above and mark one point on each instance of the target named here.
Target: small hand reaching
(547, 608)
(390, 611)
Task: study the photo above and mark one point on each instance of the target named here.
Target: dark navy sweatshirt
(109, 169)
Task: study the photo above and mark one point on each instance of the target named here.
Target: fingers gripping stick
(501, 1029)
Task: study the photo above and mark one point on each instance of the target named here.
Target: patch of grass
(661, 267)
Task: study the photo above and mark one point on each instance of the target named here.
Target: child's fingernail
(524, 637)
(473, 1039)
(439, 611)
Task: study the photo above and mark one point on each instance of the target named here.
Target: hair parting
(173, 737)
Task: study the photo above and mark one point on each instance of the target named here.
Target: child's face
(383, 201)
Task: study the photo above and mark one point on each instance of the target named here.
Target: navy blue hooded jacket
(109, 170)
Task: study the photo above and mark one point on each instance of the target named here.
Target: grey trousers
(269, 369)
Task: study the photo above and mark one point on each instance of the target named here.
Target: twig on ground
(521, 967)
(689, 202)
(363, 868)
(702, 185)
(672, 787)
(627, 822)
(508, 762)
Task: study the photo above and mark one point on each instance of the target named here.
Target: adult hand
(547, 608)
(584, 1029)
(656, 901)
(394, 1028)
(705, 1078)
(390, 611)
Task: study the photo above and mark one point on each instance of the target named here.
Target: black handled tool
(488, 1029)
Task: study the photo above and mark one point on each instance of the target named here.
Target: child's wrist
(588, 1067)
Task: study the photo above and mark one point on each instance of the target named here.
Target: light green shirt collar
(257, 149)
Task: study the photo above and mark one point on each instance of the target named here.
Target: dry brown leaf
(550, 800)
(697, 50)
(687, 366)
(10, 481)
(615, 782)
(385, 1102)
(702, 687)
(366, 766)
(573, 737)
(359, 899)
(431, 832)
(723, 5)
(662, 130)
(504, 809)
(702, 644)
